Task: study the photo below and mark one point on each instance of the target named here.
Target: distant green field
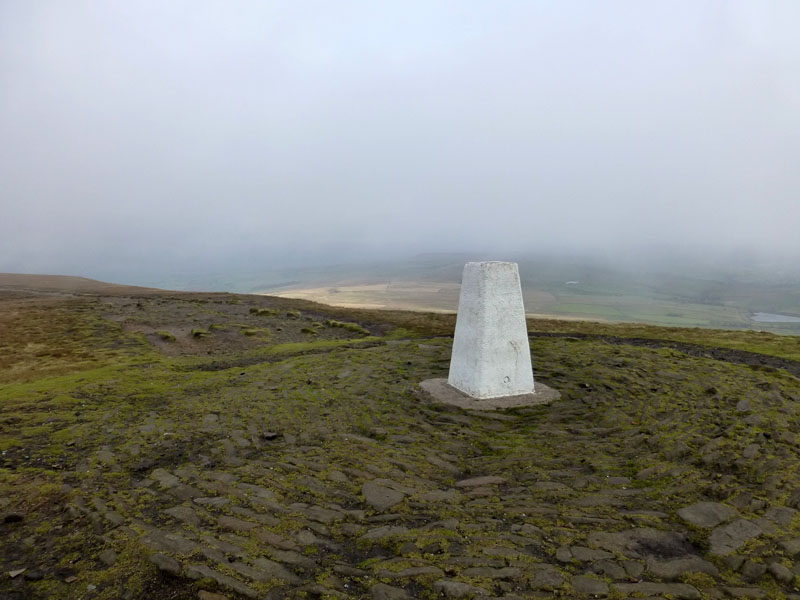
(678, 295)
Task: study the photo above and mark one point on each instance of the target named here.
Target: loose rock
(166, 564)
(381, 497)
(457, 589)
(381, 591)
(108, 557)
(674, 569)
(481, 481)
(727, 538)
(706, 514)
(781, 573)
(590, 586)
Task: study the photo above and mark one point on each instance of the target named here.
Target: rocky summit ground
(162, 445)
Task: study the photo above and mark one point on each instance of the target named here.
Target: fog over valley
(172, 143)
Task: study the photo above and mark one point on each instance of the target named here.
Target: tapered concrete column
(491, 354)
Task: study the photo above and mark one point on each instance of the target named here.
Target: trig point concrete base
(490, 365)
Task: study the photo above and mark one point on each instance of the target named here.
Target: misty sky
(149, 133)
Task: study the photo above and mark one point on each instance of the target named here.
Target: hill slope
(159, 445)
(62, 283)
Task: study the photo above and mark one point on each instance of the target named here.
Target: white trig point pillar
(491, 354)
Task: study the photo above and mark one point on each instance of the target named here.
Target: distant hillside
(676, 294)
(63, 283)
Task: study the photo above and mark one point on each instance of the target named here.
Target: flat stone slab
(727, 538)
(381, 497)
(443, 392)
(481, 481)
(706, 514)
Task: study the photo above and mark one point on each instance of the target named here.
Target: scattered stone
(204, 595)
(780, 515)
(273, 539)
(550, 486)
(408, 549)
(502, 552)
(493, 573)
(185, 492)
(234, 524)
(222, 545)
(16, 573)
(611, 569)
(642, 543)
(791, 546)
(222, 476)
(381, 497)
(543, 579)
(530, 529)
(338, 477)
(753, 420)
(168, 542)
(306, 537)
(201, 571)
(681, 591)
(740, 592)
(439, 495)
(584, 554)
(633, 568)
(442, 464)
(451, 524)
(590, 586)
(563, 554)
(108, 557)
(317, 590)
(165, 479)
(215, 501)
(258, 491)
(743, 405)
(676, 452)
(706, 514)
(727, 538)
(753, 571)
(114, 518)
(781, 573)
(733, 561)
(269, 569)
(794, 499)
(322, 515)
(457, 589)
(481, 481)
(428, 571)
(349, 571)
(291, 557)
(166, 564)
(674, 569)
(381, 591)
(751, 451)
(183, 513)
(106, 457)
(384, 532)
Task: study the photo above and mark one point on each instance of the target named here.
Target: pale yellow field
(411, 295)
